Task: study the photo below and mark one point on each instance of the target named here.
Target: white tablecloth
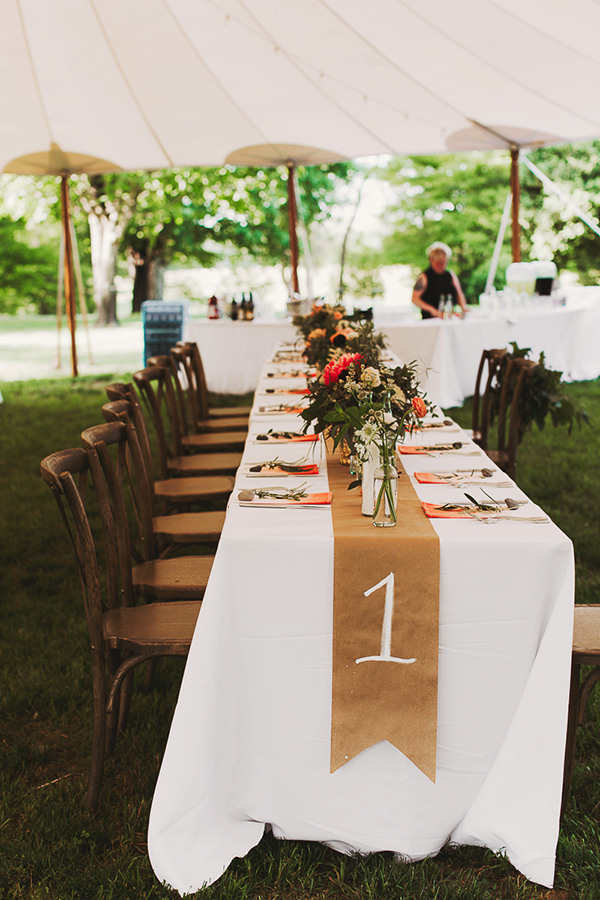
(249, 743)
(448, 352)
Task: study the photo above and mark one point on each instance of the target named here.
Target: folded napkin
(286, 391)
(457, 478)
(436, 511)
(259, 471)
(281, 410)
(431, 448)
(323, 499)
(295, 374)
(293, 439)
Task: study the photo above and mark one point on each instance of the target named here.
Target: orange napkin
(287, 391)
(432, 511)
(430, 478)
(294, 440)
(310, 500)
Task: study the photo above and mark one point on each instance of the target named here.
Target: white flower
(400, 395)
(366, 435)
(389, 419)
(370, 377)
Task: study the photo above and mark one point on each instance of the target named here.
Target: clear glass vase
(385, 496)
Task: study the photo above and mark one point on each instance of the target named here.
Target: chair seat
(586, 635)
(157, 625)
(193, 490)
(206, 464)
(207, 443)
(224, 424)
(189, 527)
(219, 412)
(181, 578)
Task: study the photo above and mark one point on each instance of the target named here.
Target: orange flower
(337, 315)
(419, 407)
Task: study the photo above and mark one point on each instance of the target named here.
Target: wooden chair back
(156, 388)
(510, 413)
(126, 471)
(124, 405)
(482, 402)
(197, 377)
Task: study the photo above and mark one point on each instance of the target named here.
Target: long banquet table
(449, 352)
(249, 745)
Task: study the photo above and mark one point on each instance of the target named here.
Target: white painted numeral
(386, 628)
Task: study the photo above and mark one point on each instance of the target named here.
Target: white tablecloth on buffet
(233, 352)
(249, 743)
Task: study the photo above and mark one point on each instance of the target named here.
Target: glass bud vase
(369, 467)
(385, 496)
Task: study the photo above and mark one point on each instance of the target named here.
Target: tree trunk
(104, 236)
(156, 278)
(140, 280)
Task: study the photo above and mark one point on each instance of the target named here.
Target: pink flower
(333, 370)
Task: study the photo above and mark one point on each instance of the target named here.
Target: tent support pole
(292, 224)
(515, 188)
(81, 291)
(69, 279)
(59, 295)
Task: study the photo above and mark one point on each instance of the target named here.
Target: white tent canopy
(159, 83)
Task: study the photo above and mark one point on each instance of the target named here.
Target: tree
(109, 201)
(28, 273)
(456, 199)
(559, 234)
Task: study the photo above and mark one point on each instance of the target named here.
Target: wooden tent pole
(515, 188)
(81, 291)
(69, 279)
(59, 296)
(292, 225)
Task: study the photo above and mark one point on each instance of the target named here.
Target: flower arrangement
(355, 400)
(327, 330)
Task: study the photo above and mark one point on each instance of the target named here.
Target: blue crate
(163, 322)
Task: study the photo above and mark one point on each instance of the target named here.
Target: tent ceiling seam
(494, 67)
(315, 83)
(38, 89)
(551, 37)
(391, 61)
(301, 61)
(129, 87)
(210, 71)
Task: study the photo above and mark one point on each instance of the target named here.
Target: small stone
(487, 473)
(457, 445)
(262, 437)
(246, 496)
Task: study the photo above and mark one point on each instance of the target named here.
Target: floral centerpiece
(359, 399)
(327, 329)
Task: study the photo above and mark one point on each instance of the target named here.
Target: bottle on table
(250, 308)
(233, 315)
(243, 309)
(213, 308)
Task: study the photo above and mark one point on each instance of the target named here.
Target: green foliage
(575, 168)
(457, 199)
(28, 273)
(542, 395)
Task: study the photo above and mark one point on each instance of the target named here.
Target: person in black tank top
(437, 283)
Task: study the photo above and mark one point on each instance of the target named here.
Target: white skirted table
(250, 741)
(448, 353)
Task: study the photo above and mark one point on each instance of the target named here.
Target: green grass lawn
(50, 847)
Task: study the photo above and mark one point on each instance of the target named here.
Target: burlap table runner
(386, 605)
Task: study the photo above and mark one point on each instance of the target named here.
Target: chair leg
(99, 733)
(125, 702)
(572, 721)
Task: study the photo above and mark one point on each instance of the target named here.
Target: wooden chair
(155, 384)
(190, 399)
(586, 652)
(517, 374)
(174, 464)
(481, 419)
(152, 575)
(205, 412)
(188, 527)
(121, 635)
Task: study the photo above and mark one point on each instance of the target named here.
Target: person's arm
(459, 291)
(420, 285)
